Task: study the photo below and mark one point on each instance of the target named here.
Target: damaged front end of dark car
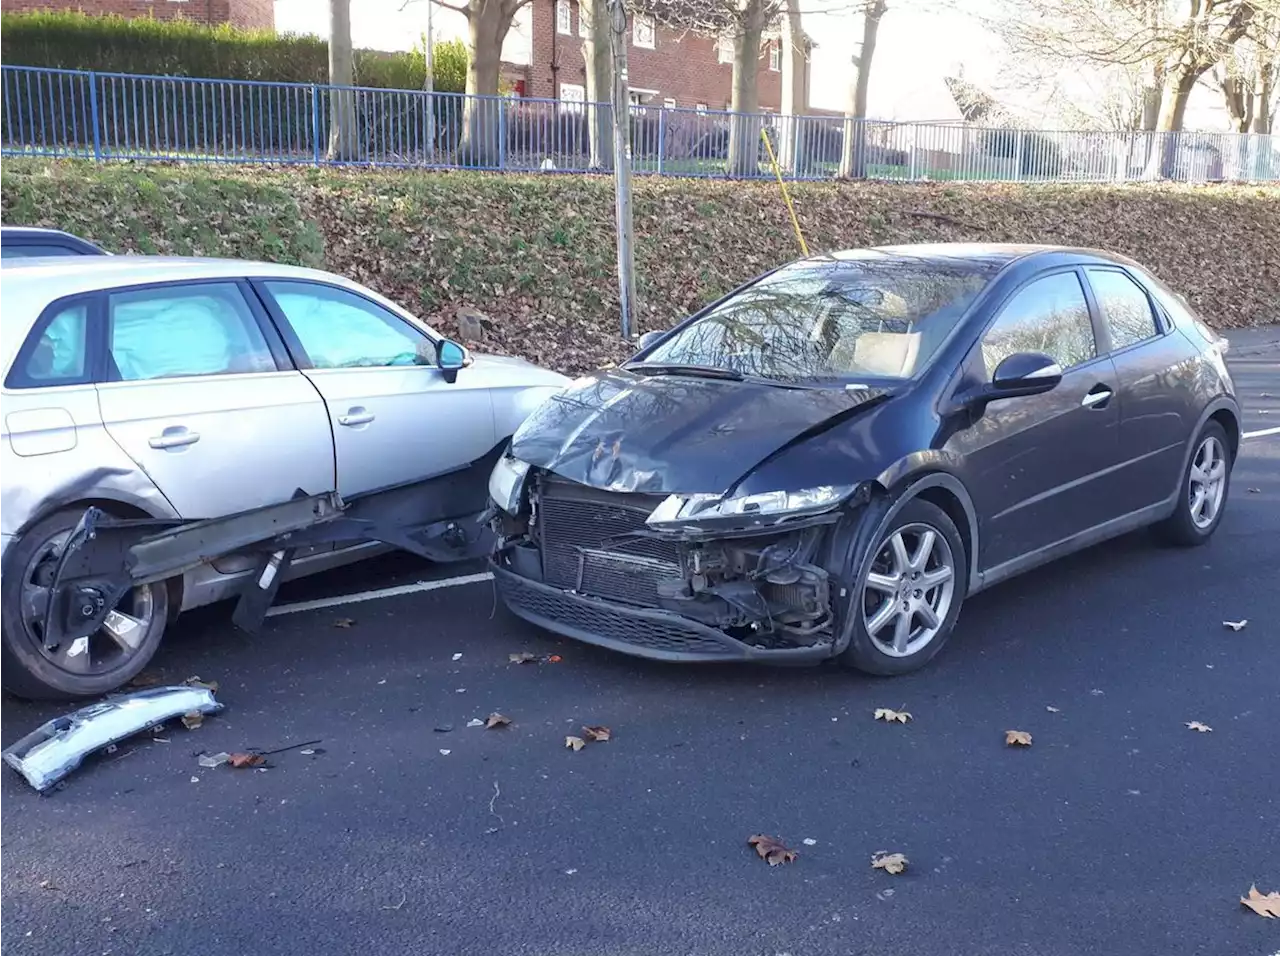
(647, 533)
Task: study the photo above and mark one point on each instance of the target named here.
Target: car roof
(68, 275)
(995, 254)
(32, 232)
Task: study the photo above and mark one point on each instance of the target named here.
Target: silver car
(169, 388)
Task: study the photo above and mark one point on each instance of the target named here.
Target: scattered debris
(475, 722)
(524, 657)
(894, 863)
(772, 850)
(809, 841)
(192, 720)
(146, 679)
(1018, 738)
(242, 761)
(1255, 491)
(1095, 692)
(554, 659)
(213, 760)
(1053, 710)
(442, 728)
(48, 885)
(1196, 725)
(445, 753)
(48, 754)
(195, 779)
(497, 720)
(597, 734)
(403, 898)
(197, 681)
(888, 715)
(574, 743)
(1267, 905)
(492, 800)
(343, 622)
(457, 656)
(1236, 625)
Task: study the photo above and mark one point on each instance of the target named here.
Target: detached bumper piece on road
(588, 567)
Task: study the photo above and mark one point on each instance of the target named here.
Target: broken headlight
(506, 483)
(676, 510)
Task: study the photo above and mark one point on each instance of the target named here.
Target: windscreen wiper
(695, 371)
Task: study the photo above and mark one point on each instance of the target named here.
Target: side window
(1050, 315)
(186, 330)
(1124, 306)
(59, 354)
(339, 329)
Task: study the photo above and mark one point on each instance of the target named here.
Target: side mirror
(1025, 373)
(649, 338)
(450, 357)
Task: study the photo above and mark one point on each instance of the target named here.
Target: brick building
(247, 14)
(667, 67)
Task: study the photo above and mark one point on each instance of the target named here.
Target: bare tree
(1248, 75)
(342, 104)
(853, 154)
(598, 57)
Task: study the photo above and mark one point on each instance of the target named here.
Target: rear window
(881, 317)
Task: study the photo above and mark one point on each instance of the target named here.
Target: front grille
(578, 527)
(665, 634)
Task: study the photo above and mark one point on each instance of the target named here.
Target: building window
(564, 18)
(573, 97)
(724, 50)
(669, 103)
(775, 56)
(584, 24)
(701, 107)
(642, 32)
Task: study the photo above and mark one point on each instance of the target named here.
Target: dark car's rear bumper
(652, 633)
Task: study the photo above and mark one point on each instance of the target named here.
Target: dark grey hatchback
(828, 460)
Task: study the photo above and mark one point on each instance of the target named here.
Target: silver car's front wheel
(85, 666)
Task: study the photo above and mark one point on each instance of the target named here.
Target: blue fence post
(662, 137)
(315, 123)
(93, 116)
(502, 132)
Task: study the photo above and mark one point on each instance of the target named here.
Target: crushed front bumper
(652, 633)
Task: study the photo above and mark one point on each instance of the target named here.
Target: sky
(920, 43)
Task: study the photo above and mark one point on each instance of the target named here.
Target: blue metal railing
(107, 116)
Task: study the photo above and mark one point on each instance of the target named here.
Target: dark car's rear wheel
(1203, 496)
(87, 666)
(908, 595)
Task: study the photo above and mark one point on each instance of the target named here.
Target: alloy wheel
(909, 589)
(1208, 483)
(107, 649)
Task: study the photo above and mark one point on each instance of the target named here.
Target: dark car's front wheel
(908, 595)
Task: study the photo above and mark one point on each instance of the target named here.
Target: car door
(1037, 466)
(1156, 386)
(197, 395)
(396, 417)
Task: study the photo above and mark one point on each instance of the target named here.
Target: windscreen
(875, 317)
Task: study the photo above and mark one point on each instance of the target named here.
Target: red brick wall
(259, 14)
(681, 65)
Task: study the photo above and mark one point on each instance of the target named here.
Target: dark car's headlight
(677, 510)
(506, 483)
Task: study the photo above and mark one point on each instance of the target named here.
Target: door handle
(174, 438)
(1097, 397)
(356, 416)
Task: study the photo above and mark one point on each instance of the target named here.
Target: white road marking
(1262, 432)
(356, 598)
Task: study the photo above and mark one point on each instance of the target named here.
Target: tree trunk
(853, 153)
(744, 123)
(487, 24)
(599, 63)
(795, 88)
(1239, 101)
(342, 101)
(1173, 111)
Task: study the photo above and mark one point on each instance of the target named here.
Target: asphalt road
(1120, 831)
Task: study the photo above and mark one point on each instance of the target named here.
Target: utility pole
(622, 162)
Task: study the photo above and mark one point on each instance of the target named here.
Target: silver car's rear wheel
(83, 667)
(1207, 483)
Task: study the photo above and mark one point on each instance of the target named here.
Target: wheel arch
(946, 491)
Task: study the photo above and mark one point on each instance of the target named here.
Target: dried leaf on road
(496, 720)
(574, 743)
(1019, 738)
(343, 622)
(200, 682)
(554, 659)
(894, 863)
(1196, 725)
(889, 715)
(597, 734)
(241, 761)
(145, 679)
(192, 720)
(772, 850)
(524, 657)
(1235, 625)
(1267, 905)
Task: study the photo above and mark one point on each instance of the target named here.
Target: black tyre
(84, 668)
(908, 592)
(1203, 496)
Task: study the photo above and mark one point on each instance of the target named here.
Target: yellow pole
(777, 171)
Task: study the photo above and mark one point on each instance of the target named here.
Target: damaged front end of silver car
(672, 577)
